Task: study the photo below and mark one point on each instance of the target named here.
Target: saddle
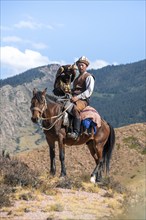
(90, 119)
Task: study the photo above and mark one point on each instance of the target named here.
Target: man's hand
(74, 99)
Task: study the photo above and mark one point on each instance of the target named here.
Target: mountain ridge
(119, 107)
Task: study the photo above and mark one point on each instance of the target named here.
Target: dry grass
(15, 173)
(27, 181)
(56, 207)
(90, 187)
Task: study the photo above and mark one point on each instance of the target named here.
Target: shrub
(15, 172)
(4, 195)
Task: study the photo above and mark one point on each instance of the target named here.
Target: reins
(47, 129)
(56, 116)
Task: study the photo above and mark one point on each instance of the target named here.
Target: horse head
(38, 104)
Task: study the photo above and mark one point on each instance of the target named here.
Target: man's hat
(84, 60)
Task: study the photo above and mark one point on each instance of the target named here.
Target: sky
(37, 33)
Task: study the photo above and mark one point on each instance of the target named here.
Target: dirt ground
(74, 197)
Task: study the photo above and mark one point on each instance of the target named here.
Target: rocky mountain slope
(15, 108)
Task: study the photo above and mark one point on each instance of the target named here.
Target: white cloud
(39, 45)
(26, 24)
(98, 64)
(11, 39)
(15, 61)
(15, 39)
(30, 24)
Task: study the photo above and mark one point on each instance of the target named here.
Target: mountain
(119, 97)
(120, 93)
(15, 106)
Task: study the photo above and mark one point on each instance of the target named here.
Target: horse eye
(43, 98)
(41, 101)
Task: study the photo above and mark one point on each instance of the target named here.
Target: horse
(50, 111)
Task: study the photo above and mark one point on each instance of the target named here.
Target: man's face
(82, 67)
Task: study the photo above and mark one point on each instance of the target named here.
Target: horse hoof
(99, 180)
(93, 179)
(62, 175)
(52, 174)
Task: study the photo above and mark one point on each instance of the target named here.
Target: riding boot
(76, 129)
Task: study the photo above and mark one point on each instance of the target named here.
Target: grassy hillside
(120, 93)
(28, 191)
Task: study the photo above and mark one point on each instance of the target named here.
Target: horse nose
(34, 120)
(35, 116)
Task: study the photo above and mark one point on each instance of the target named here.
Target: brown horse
(47, 109)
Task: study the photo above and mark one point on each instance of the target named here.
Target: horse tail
(108, 149)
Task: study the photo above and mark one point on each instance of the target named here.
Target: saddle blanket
(90, 112)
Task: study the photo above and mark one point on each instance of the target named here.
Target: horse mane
(51, 98)
(38, 96)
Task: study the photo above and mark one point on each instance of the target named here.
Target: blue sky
(36, 33)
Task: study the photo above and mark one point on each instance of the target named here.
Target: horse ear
(34, 91)
(44, 92)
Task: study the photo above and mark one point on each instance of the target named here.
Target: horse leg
(52, 160)
(52, 154)
(62, 160)
(90, 145)
(62, 156)
(99, 172)
(101, 160)
(96, 175)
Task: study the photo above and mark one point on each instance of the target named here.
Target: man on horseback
(83, 87)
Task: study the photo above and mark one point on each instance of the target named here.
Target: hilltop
(74, 197)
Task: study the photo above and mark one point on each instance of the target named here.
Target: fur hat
(84, 60)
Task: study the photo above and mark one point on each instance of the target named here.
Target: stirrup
(72, 135)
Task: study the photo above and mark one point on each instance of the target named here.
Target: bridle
(41, 111)
(57, 117)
